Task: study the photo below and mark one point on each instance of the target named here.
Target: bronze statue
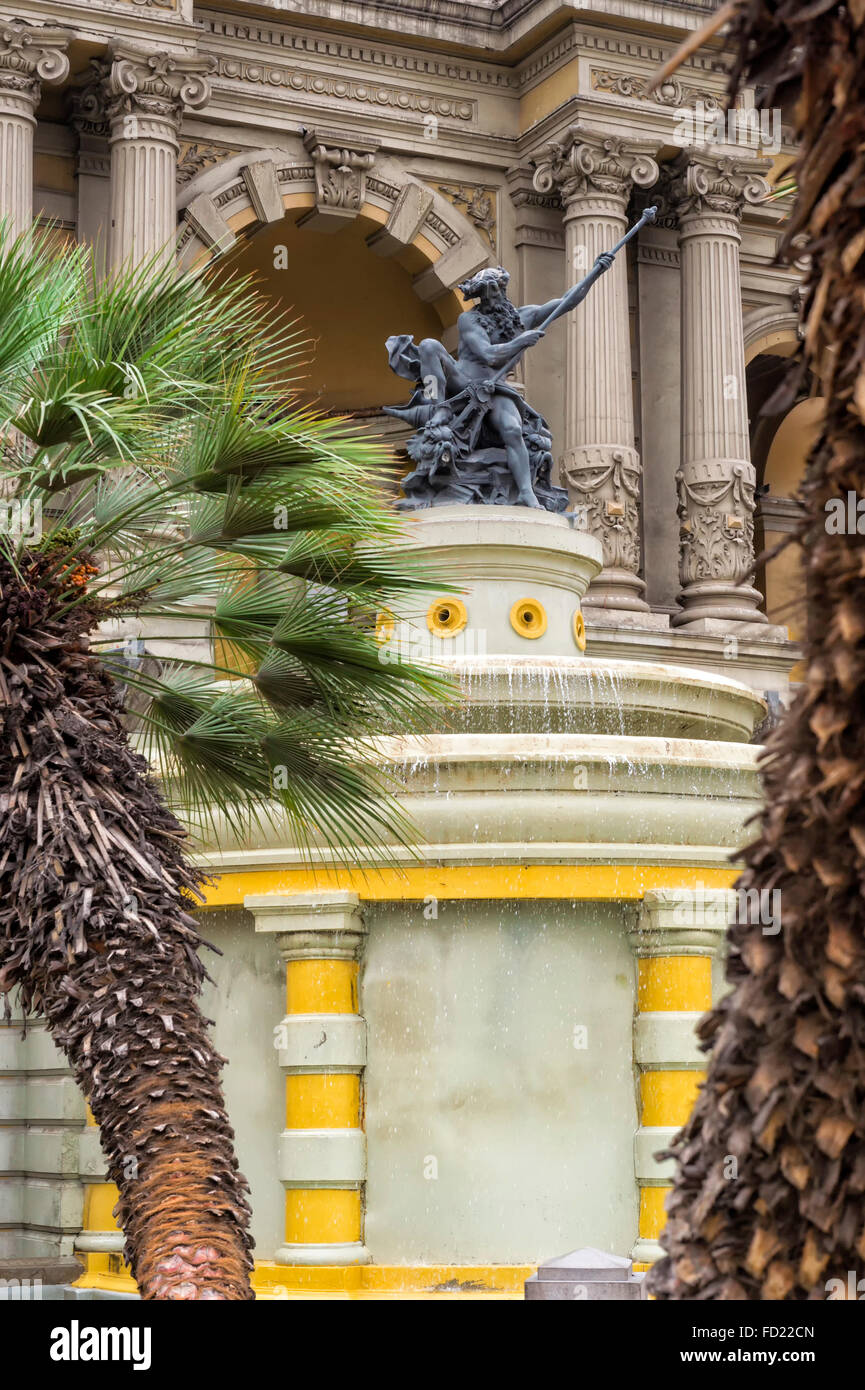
(477, 440)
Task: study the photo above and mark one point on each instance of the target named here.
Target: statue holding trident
(476, 440)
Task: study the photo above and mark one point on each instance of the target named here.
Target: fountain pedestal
(529, 991)
(522, 575)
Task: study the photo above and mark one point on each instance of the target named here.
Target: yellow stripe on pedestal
(315, 1100)
(321, 1215)
(674, 984)
(99, 1202)
(668, 1096)
(652, 1213)
(321, 987)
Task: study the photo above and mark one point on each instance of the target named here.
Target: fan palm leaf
(148, 424)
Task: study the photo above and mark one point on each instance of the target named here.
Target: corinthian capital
(590, 162)
(31, 54)
(721, 182)
(156, 84)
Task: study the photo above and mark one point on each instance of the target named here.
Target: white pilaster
(93, 165)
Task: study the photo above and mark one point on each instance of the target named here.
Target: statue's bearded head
(495, 310)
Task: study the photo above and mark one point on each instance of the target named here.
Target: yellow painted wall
(55, 171)
(348, 301)
(547, 95)
(785, 468)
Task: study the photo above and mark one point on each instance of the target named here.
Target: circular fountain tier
(557, 797)
(571, 695)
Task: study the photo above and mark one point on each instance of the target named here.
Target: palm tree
(153, 470)
(769, 1194)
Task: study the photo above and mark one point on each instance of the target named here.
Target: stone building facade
(362, 159)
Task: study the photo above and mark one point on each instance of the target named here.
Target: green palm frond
(187, 498)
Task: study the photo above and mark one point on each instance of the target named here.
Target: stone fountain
(512, 1041)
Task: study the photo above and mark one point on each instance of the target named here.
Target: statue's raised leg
(507, 422)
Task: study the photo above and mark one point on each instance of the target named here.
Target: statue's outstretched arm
(533, 315)
(542, 315)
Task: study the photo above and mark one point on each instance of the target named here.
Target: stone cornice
(223, 31)
(233, 33)
(101, 22)
(499, 26)
(580, 41)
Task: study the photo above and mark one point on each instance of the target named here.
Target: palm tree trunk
(96, 934)
(769, 1195)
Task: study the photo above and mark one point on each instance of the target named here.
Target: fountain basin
(575, 694)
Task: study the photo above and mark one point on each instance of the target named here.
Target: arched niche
(779, 511)
(388, 262)
(772, 329)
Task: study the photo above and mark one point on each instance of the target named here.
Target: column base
(100, 1243)
(646, 1252)
(719, 601)
(612, 595)
(725, 627)
(597, 615)
(351, 1253)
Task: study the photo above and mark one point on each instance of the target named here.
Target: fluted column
(30, 54)
(594, 174)
(145, 96)
(716, 479)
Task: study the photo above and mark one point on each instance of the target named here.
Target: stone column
(716, 478)
(145, 95)
(678, 934)
(29, 55)
(595, 174)
(321, 1046)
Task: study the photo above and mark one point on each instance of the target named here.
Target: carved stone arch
(246, 192)
(770, 327)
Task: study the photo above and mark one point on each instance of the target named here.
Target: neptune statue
(476, 439)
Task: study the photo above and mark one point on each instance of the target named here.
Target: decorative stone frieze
(479, 205)
(716, 479)
(301, 80)
(198, 155)
(671, 92)
(594, 174)
(30, 54)
(341, 165)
